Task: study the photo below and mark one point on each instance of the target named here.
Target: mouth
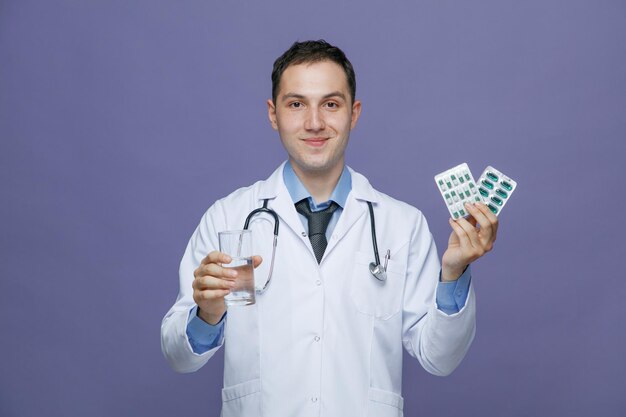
(315, 141)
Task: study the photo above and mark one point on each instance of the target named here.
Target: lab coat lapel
(351, 213)
(275, 190)
(356, 207)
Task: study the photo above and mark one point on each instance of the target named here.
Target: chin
(316, 165)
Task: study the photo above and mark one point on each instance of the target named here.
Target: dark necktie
(318, 223)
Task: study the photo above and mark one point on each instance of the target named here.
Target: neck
(319, 183)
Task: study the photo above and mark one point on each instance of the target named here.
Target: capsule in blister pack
(495, 188)
(457, 187)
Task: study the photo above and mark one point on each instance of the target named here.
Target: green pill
(471, 185)
(493, 177)
(453, 177)
(506, 185)
(477, 199)
(461, 179)
(496, 200)
(467, 177)
(449, 184)
(467, 193)
(483, 192)
(462, 212)
(487, 184)
(501, 193)
(456, 215)
(493, 208)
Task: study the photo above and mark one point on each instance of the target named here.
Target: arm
(174, 340)
(175, 343)
(438, 340)
(203, 283)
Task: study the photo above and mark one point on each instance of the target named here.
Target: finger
(215, 270)
(471, 220)
(485, 225)
(216, 257)
(209, 295)
(492, 218)
(470, 230)
(212, 283)
(460, 233)
(256, 260)
(477, 215)
(487, 212)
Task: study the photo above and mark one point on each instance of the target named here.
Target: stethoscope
(377, 270)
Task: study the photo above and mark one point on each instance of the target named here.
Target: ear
(356, 112)
(271, 114)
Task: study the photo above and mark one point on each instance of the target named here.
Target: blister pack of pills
(457, 187)
(495, 188)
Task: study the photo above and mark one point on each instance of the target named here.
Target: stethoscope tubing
(373, 227)
(376, 269)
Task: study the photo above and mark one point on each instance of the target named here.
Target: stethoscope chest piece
(378, 271)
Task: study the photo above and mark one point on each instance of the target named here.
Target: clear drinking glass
(238, 245)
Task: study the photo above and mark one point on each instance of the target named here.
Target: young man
(326, 337)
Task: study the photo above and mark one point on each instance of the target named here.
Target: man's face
(313, 115)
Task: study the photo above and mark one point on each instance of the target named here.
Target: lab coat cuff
(452, 296)
(203, 336)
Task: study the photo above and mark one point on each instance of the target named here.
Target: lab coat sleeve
(439, 341)
(174, 341)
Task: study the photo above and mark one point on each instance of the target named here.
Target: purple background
(119, 122)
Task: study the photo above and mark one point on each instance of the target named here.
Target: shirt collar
(298, 191)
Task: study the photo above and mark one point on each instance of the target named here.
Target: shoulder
(240, 194)
(245, 199)
(401, 214)
(382, 202)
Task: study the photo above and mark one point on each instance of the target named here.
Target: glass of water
(238, 245)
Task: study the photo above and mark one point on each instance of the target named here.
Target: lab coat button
(318, 282)
(314, 399)
(303, 234)
(317, 338)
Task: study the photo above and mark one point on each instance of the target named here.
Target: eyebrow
(301, 97)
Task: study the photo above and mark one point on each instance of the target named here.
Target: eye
(295, 105)
(332, 105)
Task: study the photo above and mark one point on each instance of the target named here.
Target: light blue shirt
(451, 296)
(298, 192)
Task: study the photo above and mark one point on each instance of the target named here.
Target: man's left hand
(468, 242)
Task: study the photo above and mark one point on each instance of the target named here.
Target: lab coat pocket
(242, 399)
(384, 404)
(381, 299)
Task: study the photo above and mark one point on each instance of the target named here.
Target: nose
(314, 120)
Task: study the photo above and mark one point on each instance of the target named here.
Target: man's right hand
(212, 282)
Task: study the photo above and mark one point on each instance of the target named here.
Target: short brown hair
(310, 52)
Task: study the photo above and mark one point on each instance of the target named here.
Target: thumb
(256, 260)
